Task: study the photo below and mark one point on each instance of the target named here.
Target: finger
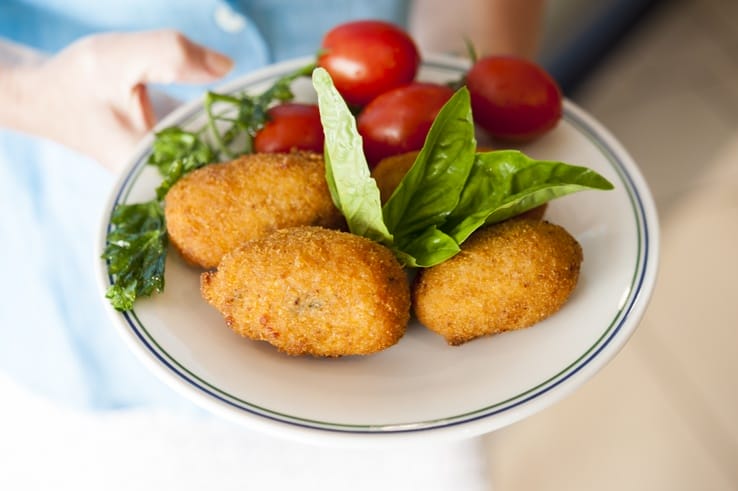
(164, 56)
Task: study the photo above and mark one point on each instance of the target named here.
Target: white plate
(421, 387)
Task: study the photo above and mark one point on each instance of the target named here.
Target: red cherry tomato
(398, 121)
(513, 98)
(291, 126)
(369, 57)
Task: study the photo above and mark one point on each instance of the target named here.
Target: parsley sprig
(136, 242)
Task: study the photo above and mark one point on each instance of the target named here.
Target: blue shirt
(55, 337)
(252, 32)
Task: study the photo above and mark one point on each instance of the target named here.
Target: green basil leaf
(505, 183)
(430, 190)
(352, 188)
(427, 249)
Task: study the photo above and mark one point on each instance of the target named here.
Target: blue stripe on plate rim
(572, 115)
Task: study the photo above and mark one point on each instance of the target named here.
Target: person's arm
(92, 96)
(507, 26)
(499, 27)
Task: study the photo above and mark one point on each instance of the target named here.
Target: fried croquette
(536, 213)
(314, 291)
(217, 207)
(389, 172)
(507, 276)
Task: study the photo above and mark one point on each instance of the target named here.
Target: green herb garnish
(136, 251)
(176, 152)
(136, 243)
(243, 115)
(450, 191)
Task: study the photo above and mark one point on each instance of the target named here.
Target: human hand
(92, 96)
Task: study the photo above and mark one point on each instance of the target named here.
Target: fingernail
(217, 63)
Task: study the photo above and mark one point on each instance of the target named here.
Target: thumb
(142, 117)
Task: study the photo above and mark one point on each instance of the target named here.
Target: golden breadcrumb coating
(217, 207)
(310, 290)
(507, 276)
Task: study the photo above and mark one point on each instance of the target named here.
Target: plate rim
(481, 420)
